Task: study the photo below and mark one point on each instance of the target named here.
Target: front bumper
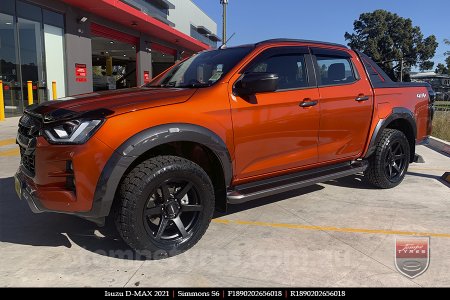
(52, 187)
(25, 192)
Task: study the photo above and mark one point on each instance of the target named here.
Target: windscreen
(203, 69)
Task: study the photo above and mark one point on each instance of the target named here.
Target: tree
(389, 38)
(447, 60)
(441, 69)
(426, 65)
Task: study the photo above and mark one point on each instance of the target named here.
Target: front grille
(29, 128)
(27, 161)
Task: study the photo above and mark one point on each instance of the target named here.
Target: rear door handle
(362, 98)
(308, 103)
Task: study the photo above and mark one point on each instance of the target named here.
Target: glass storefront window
(8, 65)
(31, 49)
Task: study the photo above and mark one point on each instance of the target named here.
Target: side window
(335, 70)
(290, 69)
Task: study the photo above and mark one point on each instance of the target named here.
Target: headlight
(72, 132)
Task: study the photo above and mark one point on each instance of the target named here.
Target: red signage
(146, 76)
(80, 73)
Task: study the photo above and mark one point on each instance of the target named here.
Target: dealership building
(81, 46)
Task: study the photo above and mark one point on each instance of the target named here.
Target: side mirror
(253, 83)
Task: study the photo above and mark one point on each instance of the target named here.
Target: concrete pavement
(340, 233)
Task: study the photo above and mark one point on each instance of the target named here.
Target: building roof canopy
(121, 13)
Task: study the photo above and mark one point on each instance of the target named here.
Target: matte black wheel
(166, 206)
(389, 164)
(172, 210)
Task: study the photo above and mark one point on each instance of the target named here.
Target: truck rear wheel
(389, 164)
(166, 205)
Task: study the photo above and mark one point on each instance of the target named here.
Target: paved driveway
(340, 233)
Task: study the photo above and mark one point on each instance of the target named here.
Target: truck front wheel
(166, 205)
(389, 163)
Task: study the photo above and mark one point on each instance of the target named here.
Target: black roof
(300, 41)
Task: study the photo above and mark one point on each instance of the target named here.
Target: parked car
(224, 126)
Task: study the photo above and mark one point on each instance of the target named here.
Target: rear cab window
(334, 67)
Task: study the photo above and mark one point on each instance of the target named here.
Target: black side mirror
(253, 83)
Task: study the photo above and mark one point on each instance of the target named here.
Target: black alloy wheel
(172, 211)
(389, 163)
(395, 162)
(165, 206)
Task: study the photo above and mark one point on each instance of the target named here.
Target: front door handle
(308, 103)
(361, 98)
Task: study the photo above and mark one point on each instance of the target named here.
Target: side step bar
(250, 191)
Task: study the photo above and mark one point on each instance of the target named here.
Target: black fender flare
(132, 148)
(397, 113)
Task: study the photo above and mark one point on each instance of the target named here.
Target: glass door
(31, 52)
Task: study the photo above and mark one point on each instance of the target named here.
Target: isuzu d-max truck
(224, 126)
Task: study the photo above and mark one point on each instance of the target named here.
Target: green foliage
(426, 65)
(447, 60)
(388, 38)
(441, 69)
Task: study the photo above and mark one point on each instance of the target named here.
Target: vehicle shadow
(234, 208)
(353, 181)
(435, 177)
(438, 151)
(18, 225)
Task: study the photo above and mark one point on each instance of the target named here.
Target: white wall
(54, 59)
(186, 13)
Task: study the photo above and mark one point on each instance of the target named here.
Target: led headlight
(72, 132)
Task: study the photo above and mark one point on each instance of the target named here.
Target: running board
(250, 191)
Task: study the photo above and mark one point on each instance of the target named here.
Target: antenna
(224, 45)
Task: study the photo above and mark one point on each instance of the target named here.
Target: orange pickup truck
(224, 126)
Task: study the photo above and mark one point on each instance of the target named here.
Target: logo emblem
(421, 96)
(412, 255)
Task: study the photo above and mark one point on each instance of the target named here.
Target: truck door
(346, 105)
(277, 131)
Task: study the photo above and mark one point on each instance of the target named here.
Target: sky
(326, 20)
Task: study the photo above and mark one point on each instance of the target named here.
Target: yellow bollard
(30, 92)
(55, 94)
(109, 66)
(2, 102)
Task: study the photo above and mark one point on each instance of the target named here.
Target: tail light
(432, 95)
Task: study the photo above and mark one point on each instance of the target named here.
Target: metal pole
(401, 70)
(224, 21)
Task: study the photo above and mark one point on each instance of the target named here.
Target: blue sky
(326, 20)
